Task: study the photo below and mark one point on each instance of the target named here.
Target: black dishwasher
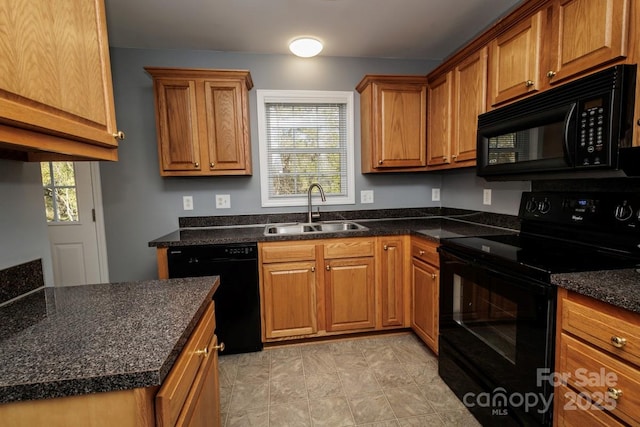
(238, 297)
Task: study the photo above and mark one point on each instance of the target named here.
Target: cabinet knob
(380, 162)
(119, 135)
(196, 165)
(614, 393)
(212, 165)
(203, 352)
(385, 247)
(455, 156)
(328, 268)
(444, 158)
(433, 276)
(313, 269)
(529, 83)
(219, 347)
(618, 342)
(421, 252)
(551, 74)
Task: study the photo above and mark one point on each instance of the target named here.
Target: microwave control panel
(592, 133)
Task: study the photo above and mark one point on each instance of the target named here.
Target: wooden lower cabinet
(332, 286)
(425, 285)
(289, 294)
(597, 354)
(350, 293)
(189, 395)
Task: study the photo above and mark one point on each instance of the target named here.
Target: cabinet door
(350, 294)
(470, 94)
(289, 299)
(401, 125)
(179, 148)
(425, 295)
(227, 132)
(391, 261)
(202, 408)
(515, 61)
(55, 77)
(586, 34)
(439, 121)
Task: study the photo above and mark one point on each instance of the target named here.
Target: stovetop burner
(565, 232)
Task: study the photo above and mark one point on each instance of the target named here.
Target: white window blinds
(302, 142)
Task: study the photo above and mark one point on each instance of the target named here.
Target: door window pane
(60, 196)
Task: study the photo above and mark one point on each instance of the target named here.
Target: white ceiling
(407, 29)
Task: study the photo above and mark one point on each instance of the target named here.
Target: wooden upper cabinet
(586, 34)
(56, 93)
(470, 93)
(515, 61)
(439, 121)
(202, 121)
(393, 123)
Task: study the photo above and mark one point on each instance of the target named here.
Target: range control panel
(603, 211)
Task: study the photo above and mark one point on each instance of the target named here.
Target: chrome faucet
(324, 199)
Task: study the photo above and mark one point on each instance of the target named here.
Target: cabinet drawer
(177, 386)
(288, 251)
(425, 252)
(348, 248)
(594, 372)
(601, 324)
(573, 410)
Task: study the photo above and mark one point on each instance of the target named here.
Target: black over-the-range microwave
(584, 125)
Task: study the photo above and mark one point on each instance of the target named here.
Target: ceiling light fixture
(305, 47)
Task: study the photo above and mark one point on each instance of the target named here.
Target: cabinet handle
(385, 247)
(379, 162)
(529, 83)
(204, 352)
(196, 165)
(212, 165)
(328, 268)
(551, 74)
(421, 252)
(119, 135)
(313, 269)
(219, 347)
(618, 342)
(614, 393)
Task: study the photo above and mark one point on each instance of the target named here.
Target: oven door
(497, 333)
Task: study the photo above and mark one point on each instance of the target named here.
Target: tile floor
(384, 381)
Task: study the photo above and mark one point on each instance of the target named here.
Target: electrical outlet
(486, 196)
(366, 196)
(223, 201)
(187, 203)
(435, 194)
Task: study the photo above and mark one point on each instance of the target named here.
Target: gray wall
(23, 225)
(141, 206)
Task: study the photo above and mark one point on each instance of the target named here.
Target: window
(305, 137)
(60, 197)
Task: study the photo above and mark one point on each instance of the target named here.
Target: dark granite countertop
(67, 341)
(430, 227)
(616, 287)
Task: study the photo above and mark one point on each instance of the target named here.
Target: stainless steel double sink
(293, 228)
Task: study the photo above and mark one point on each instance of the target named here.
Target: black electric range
(497, 303)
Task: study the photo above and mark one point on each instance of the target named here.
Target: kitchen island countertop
(75, 340)
(616, 287)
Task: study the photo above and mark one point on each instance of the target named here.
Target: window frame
(311, 97)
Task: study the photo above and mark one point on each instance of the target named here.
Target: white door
(73, 204)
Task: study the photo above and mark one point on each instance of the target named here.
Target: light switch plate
(187, 203)
(223, 201)
(435, 194)
(366, 196)
(486, 196)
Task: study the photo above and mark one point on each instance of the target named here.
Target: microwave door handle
(567, 125)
